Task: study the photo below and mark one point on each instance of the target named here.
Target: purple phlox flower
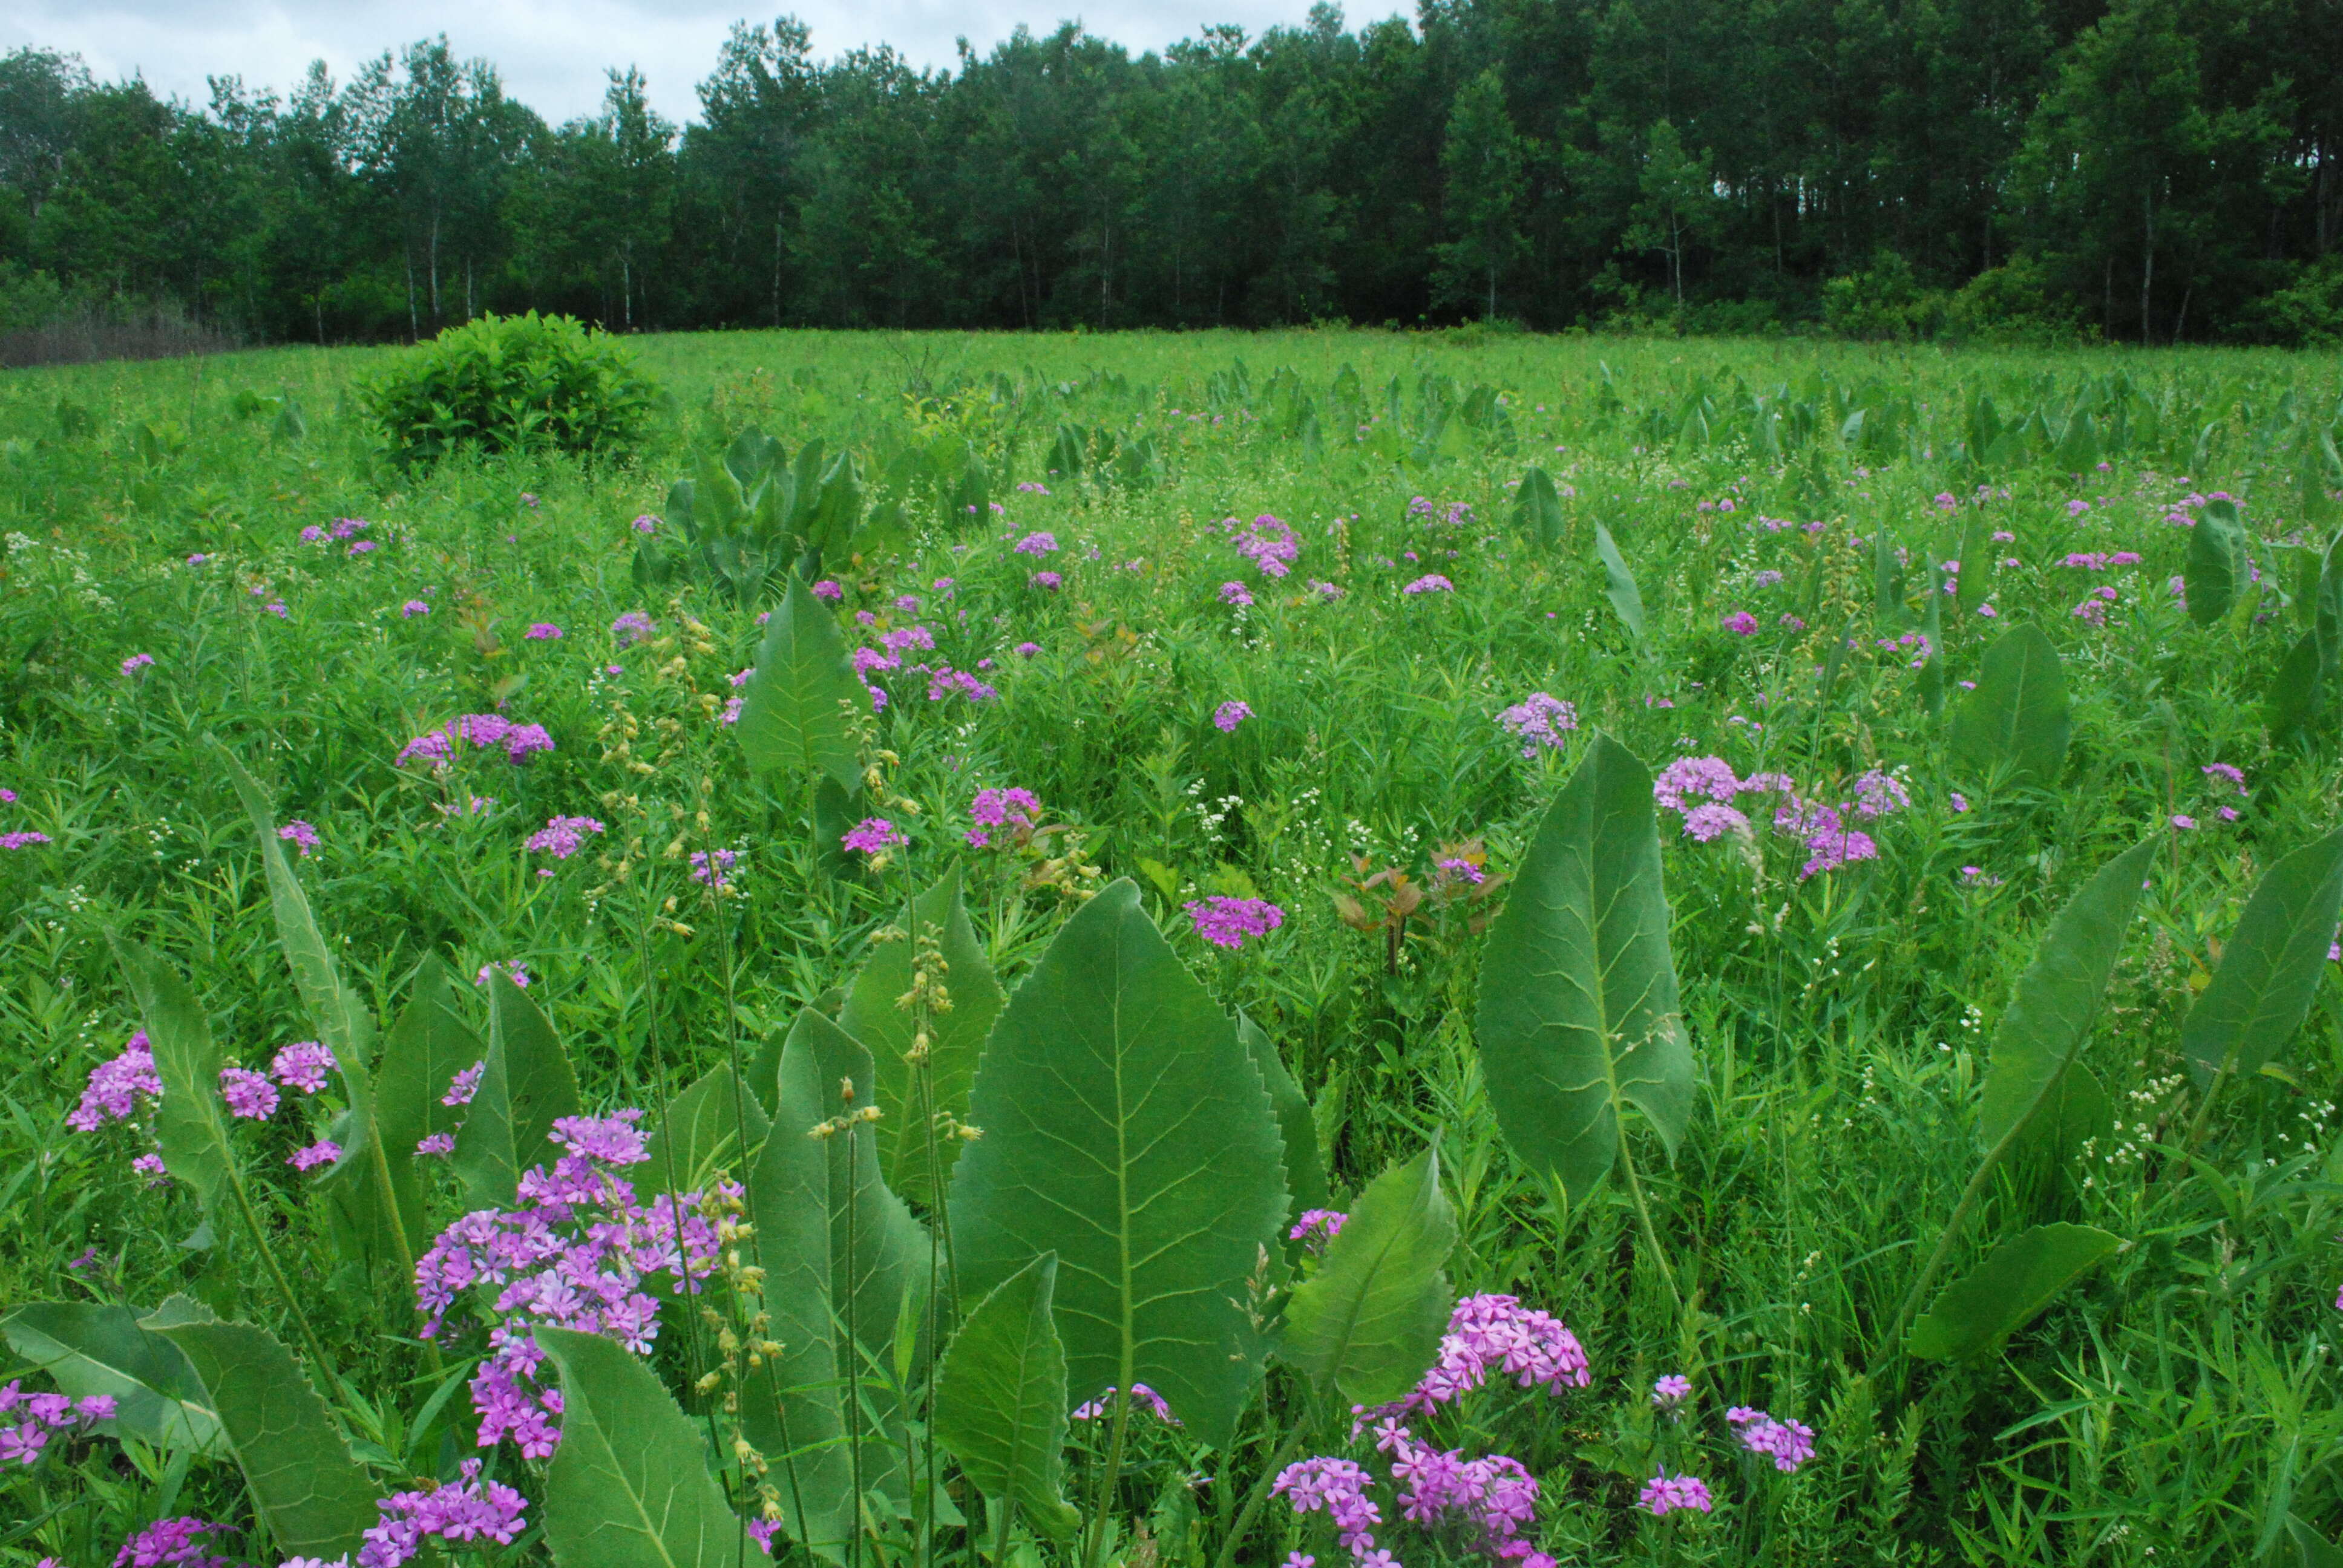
(542, 631)
(2077, 507)
(172, 1544)
(1457, 868)
(1429, 582)
(870, 661)
(1141, 1397)
(1042, 543)
(1013, 807)
(303, 1065)
(2087, 561)
(414, 607)
(1741, 623)
(514, 972)
(1789, 1444)
(1236, 594)
(646, 524)
(1317, 1227)
(872, 835)
(2183, 821)
(1229, 715)
(298, 832)
(482, 730)
(315, 534)
(150, 1165)
(2227, 772)
(1494, 1332)
(1709, 822)
(1767, 579)
(436, 1143)
(1945, 501)
(827, 588)
(763, 1531)
(1032, 487)
(247, 1093)
(115, 1086)
(561, 836)
(945, 681)
(1539, 721)
(1878, 794)
(469, 1509)
(723, 861)
(1832, 845)
(632, 628)
(1690, 779)
(1327, 591)
(611, 1139)
(325, 1152)
(1049, 582)
(1027, 649)
(22, 839)
(363, 546)
(1227, 923)
(8, 797)
(137, 662)
(1671, 1391)
(1664, 1494)
(1269, 544)
(2091, 612)
(344, 527)
(903, 638)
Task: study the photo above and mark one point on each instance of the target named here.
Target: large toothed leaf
(525, 1087)
(1369, 1322)
(1620, 583)
(2271, 969)
(2039, 1038)
(2217, 570)
(1125, 1129)
(630, 1486)
(912, 1101)
(2018, 716)
(794, 714)
(104, 1350)
(1001, 1398)
(1305, 1170)
(1578, 1008)
(190, 1123)
(2001, 1295)
(1537, 508)
(316, 1498)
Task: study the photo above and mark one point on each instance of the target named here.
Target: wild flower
(1540, 721)
(303, 1066)
(1670, 1393)
(561, 836)
(1229, 715)
(414, 607)
(542, 631)
(1689, 779)
(1316, 1227)
(1142, 1398)
(247, 1093)
(1741, 623)
(2183, 822)
(1227, 923)
(1709, 822)
(646, 524)
(1026, 649)
(1664, 1494)
(1268, 545)
(172, 1544)
(299, 833)
(151, 1167)
(1327, 591)
(1013, 807)
(711, 866)
(1430, 582)
(2227, 772)
(1236, 594)
(1048, 582)
(28, 1421)
(22, 839)
(325, 1152)
(633, 627)
(872, 835)
(1039, 543)
(436, 1144)
(514, 972)
(945, 681)
(1788, 1444)
(137, 662)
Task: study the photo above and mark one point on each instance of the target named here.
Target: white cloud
(551, 53)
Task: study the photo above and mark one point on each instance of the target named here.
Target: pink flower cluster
(27, 1420)
(1664, 1494)
(114, 1086)
(1267, 543)
(1316, 1227)
(561, 836)
(1429, 582)
(574, 1256)
(1141, 1396)
(1229, 715)
(1486, 1501)
(172, 1544)
(1788, 1444)
(872, 835)
(470, 1509)
(299, 833)
(1226, 922)
(1338, 1486)
(1013, 809)
(1700, 789)
(1539, 721)
(1496, 1333)
(303, 1065)
(436, 747)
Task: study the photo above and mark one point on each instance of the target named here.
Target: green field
(1902, 1118)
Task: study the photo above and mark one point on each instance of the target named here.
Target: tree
(1676, 202)
(1482, 159)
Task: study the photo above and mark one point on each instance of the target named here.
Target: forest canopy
(2155, 171)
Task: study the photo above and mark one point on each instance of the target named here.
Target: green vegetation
(1734, 936)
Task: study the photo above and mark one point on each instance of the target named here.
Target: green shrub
(1883, 301)
(512, 382)
(2011, 303)
(2308, 313)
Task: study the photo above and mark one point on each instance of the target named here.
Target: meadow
(1326, 949)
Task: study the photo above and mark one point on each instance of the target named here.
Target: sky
(552, 53)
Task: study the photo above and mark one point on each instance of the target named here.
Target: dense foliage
(502, 384)
(2152, 171)
(1326, 948)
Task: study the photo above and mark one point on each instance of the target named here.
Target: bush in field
(510, 383)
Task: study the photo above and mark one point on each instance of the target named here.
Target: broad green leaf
(1578, 1010)
(2296, 704)
(1977, 563)
(2001, 1295)
(1369, 1322)
(104, 1350)
(2217, 568)
(846, 1264)
(1625, 597)
(1932, 632)
(1305, 1170)
(190, 1123)
(1124, 1129)
(630, 1486)
(2271, 969)
(303, 1481)
(1537, 508)
(2040, 1037)
(2311, 1548)
(912, 1103)
(794, 717)
(525, 1087)
(428, 1045)
(1001, 1398)
(2017, 715)
(702, 1131)
(2077, 452)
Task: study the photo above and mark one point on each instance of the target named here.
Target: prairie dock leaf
(1001, 1398)
(104, 1350)
(2001, 1295)
(794, 714)
(2216, 568)
(1537, 509)
(1369, 1322)
(525, 1086)
(1625, 597)
(2271, 968)
(2018, 716)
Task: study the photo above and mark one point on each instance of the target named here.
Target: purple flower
(514, 972)
(1833, 847)
(137, 662)
(315, 534)
(1226, 922)
(872, 835)
(1027, 649)
(1671, 1391)
(298, 832)
(561, 836)
(345, 526)
(1327, 591)
(646, 524)
(2228, 772)
(412, 609)
(247, 1093)
(22, 839)
(1141, 1396)
(1540, 721)
(1037, 544)
(325, 1152)
(1741, 623)
(1317, 1227)
(151, 1166)
(436, 1143)
(1690, 779)
(1236, 594)
(1049, 582)
(2183, 822)
(1664, 1494)
(303, 1065)
(1788, 1444)
(115, 1086)
(542, 631)
(1229, 715)
(945, 681)
(702, 873)
(363, 546)
(827, 588)
(1009, 807)
(171, 1544)
(1430, 582)
(1709, 822)
(612, 1139)
(470, 1509)
(632, 628)
(1269, 544)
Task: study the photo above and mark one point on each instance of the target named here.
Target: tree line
(2151, 171)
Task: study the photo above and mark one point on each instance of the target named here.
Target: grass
(2174, 1407)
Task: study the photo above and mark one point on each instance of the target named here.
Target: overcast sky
(552, 53)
